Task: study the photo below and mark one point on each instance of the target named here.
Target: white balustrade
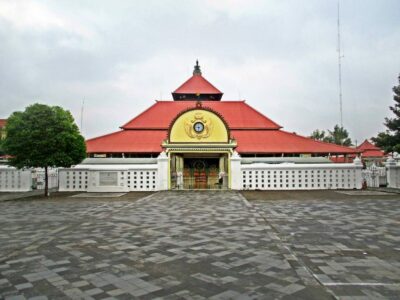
(374, 176)
(286, 176)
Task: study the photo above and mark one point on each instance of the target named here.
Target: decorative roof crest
(197, 70)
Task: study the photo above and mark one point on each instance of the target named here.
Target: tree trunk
(46, 182)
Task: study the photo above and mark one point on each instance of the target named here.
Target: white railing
(286, 176)
(375, 176)
(14, 180)
(38, 177)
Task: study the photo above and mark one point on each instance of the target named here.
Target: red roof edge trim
(255, 128)
(276, 124)
(324, 143)
(195, 101)
(217, 91)
(104, 135)
(367, 145)
(143, 112)
(145, 128)
(125, 152)
(291, 152)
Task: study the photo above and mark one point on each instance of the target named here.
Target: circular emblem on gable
(198, 127)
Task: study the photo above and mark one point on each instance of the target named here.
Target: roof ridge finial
(197, 70)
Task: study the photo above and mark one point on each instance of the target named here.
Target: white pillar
(393, 173)
(236, 171)
(162, 172)
(358, 169)
(93, 181)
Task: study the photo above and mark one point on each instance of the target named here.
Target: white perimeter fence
(132, 178)
(154, 176)
(375, 176)
(262, 176)
(24, 180)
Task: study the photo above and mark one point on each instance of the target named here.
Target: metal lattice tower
(340, 65)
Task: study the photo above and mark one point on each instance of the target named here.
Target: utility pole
(339, 65)
(83, 103)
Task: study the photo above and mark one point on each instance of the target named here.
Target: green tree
(338, 136)
(318, 135)
(390, 139)
(1, 147)
(43, 136)
(2, 137)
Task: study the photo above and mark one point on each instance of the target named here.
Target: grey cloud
(280, 56)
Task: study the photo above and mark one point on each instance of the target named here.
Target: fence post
(358, 169)
(393, 176)
(162, 172)
(236, 171)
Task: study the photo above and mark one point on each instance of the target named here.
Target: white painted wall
(262, 176)
(14, 180)
(73, 179)
(140, 177)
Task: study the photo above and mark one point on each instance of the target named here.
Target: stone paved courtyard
(201, 245)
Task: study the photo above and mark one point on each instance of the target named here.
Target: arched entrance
(196, 171)
(199, 149)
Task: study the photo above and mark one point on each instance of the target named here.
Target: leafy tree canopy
(318, 135)
(43, 136)
(338, 135)
(390, 139)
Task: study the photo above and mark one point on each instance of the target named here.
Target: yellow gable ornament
(199, 126)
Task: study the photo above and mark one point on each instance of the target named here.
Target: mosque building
(200, 133)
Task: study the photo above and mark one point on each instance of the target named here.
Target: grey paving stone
(23, 286)
(199, 245)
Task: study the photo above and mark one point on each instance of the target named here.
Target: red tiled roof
(139, 141)
(367, 145)
(3, 122)
(370, 150)
(249, 141)
(372, 153)
(279, 141)
(253, 131)
(342, 159)
(238, 115)
(197, 84)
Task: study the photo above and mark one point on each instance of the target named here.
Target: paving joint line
(31, 245)
(282, 240)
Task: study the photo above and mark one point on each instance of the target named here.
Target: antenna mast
(83, 103)
(339, 65)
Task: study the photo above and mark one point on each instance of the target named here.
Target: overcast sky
(280, 56)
